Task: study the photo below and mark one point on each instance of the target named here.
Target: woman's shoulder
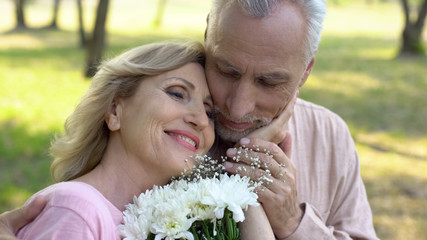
(74, 210)
(72, 190)
(76, 196)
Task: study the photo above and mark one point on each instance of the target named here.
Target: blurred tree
(82, 36)
(20, 17)
(54, 24)
(412, 33)
(158, 19)
(95, 45)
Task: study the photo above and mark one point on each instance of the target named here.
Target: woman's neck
(119, 180)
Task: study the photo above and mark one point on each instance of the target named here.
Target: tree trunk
(54, 23)
(82, 36)
(20, 17)
(412, 43)
(95, 45)
(158, 19)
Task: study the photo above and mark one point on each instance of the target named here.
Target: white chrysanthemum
(134, 228)
(231, 192)
(169, 211)
(194, 195)
(170, 220)
(137, 218)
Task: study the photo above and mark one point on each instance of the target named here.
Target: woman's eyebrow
(186, 82)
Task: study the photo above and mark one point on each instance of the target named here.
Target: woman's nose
(198, 117)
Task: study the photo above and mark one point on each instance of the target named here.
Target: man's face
(254, 66)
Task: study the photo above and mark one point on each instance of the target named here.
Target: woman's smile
(185, 138)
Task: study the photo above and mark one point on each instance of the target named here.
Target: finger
(12, 221)
(261, 178)
(264, 155)
(255, 174)
(264, 194)
(251, 158)
(25, 214)
(286, 145)
(33, 209)
(260, 145)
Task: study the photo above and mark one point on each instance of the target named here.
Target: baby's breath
(252, 158)
(204, 167)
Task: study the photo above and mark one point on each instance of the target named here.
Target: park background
(357, 74)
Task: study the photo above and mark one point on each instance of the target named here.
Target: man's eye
(267, 83)
(228, 74)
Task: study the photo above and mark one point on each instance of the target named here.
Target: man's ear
(113, 115)
(207, 25)
(307, 72)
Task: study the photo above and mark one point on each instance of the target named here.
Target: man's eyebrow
(274, 75)
(228, 65)
(186, 82)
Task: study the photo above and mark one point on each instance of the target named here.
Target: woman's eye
(176, 92)
(210, 114)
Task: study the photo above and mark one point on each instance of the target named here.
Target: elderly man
(259, 53)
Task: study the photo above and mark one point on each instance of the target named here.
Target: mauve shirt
(329, 186)
(75, 210)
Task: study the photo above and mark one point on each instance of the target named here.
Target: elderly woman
(145, 113)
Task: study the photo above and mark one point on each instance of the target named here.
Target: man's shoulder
(309, 112)
(312, 119)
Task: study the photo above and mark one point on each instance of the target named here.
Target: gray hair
(81, 147)
(314, 11)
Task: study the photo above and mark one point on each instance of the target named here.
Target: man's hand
(279, 197)
(12, 221)
(275, 132)
(265, 162)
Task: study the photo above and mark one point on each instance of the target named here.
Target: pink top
(75, 210)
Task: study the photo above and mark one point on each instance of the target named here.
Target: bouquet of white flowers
(203, 205)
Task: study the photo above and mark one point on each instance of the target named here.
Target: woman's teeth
(185, 139)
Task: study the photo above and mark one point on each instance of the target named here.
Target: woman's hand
(12, 221)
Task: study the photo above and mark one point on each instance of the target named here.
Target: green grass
(381, 98)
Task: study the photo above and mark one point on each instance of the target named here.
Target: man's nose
(242, 99)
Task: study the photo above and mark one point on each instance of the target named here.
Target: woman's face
(167, 120)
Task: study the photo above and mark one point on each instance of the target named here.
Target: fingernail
(244, 141)
(228, 165)
(231, 152)
(297, 92)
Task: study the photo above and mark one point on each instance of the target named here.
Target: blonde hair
(80, 148)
